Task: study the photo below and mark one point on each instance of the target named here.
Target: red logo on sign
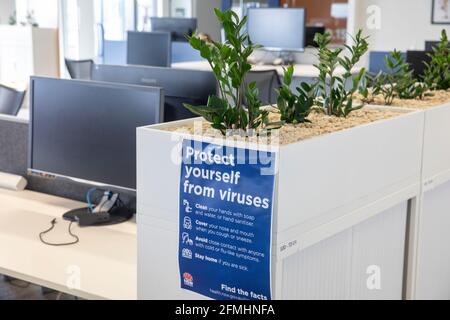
(188, 279)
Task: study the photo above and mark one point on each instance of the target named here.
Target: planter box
(328, 186)
(429, 245)
(436, 152)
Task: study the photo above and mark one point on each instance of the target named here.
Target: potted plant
(338, 164)
(238, 107)
(397, 83)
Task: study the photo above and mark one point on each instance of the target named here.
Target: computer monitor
(310, 33)
(278, 29)
(416, 60)
(85, 130)
(180, 86)
(183, 52)
(179, 28)
(149, 48)
(429, 45)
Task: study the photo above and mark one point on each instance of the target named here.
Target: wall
(7, 8)
(318, 13)
(405, 24)
(207, 21)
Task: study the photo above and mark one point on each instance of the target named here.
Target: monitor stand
(85, 218)
(286, 58)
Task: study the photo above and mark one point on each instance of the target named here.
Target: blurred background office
(97, 29)
(64, 38)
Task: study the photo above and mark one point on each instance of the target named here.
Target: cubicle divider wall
(14, 160)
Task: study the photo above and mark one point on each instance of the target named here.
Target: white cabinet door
(16, 55)
(15, 64)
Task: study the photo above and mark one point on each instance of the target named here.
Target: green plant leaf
(331, 90)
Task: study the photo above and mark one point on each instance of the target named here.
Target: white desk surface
(300, 70)
(105, 258)
(24, 113)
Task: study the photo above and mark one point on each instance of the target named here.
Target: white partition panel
(433, 260)
(340, 267)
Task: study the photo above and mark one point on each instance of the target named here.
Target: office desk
(104, 259)
(302, 72)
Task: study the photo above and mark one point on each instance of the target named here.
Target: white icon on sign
(187, 206)
(186, 239)
(187, 224)
(187, 254)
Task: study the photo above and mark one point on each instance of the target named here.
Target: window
(241, 6)
(70, 28)
(42, 12)
(147, 9)
(181, 8)
(116, 18)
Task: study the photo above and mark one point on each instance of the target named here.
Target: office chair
(267, 82)
(310, 33)
(80, 69)
(10, 100)
(417, 60)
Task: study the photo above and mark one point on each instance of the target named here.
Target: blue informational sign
(226, 206)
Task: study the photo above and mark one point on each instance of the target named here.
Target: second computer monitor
(430, 45)
(310, 35)
(180, 86)
(149, 48)
(279, 29)
(179, 28)
(417, 60)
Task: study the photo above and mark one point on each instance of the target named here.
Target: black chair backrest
(429, 45)
(80, 69)
(10, 100)
(267, 82)
(310, 34)
(417, 60)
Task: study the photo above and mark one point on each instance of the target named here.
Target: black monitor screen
(277, 28)
(430, 45)
(180, 86)
(87, 130)
(149, 49)
(310, 34)
(417, 60)
(179, 28)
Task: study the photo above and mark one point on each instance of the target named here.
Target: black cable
(17, 283)
(53, 222)
(120, 203)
